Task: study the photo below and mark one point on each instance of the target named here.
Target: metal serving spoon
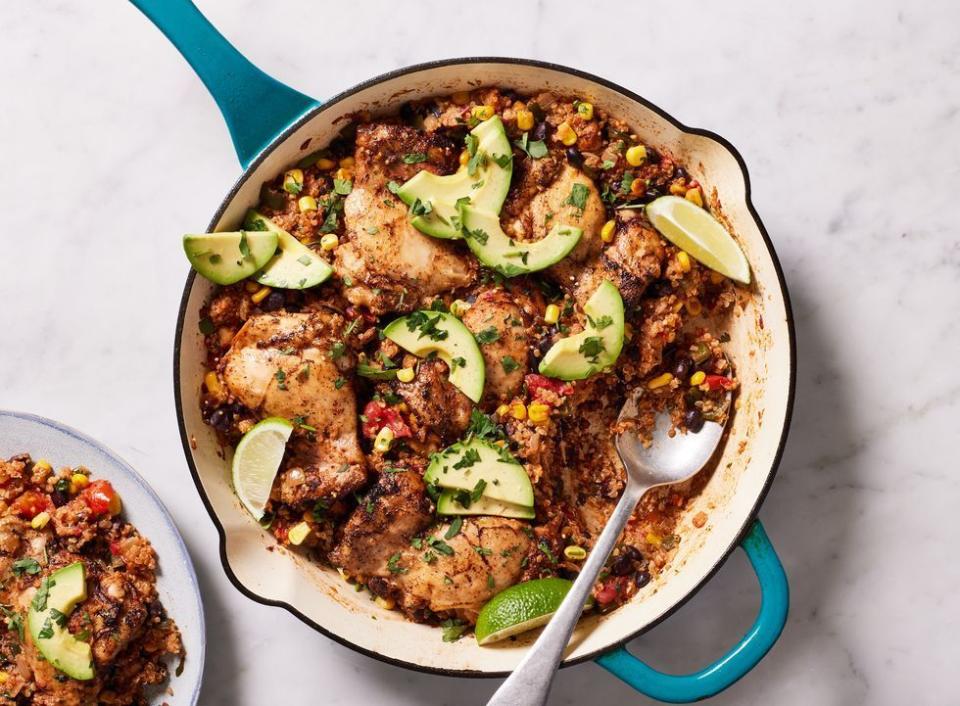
(668, 460)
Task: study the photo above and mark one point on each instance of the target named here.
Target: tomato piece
(378, 416)
(101, 498)
(32, 503)
(115, 548)
(719, 382)
(607, 593)
(536, 384)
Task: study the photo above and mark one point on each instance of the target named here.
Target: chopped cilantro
(26, 566)
(592, 347)
(509, 364)
(393, 565)
(281, 379)
(469, 458)
(487, 335)
(244, 245)
(338, 350)
(206, 326)
(454, 528)
(339, 382)
(414, 157)
(578, 196)
(453, 629)
(342, 186)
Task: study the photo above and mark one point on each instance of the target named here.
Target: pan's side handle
(738, 661)
(255, 106)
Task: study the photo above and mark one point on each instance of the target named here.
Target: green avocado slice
(294, 266)
(510, 257)
(483, 183)
(436, 332)
(464, 464)
(595, 348)
(52, 605)
(447, 504)
(226, 258)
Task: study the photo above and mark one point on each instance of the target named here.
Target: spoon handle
(529, 685)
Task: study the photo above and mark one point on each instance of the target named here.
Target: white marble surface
(847, 114)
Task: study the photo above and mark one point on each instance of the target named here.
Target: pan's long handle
(255, 106)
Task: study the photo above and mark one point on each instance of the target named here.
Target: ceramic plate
(176, 580)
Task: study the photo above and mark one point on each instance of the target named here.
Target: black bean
(632, 552)
(682, 367)
(220, 419)
(407, 113)
(540, 131)
(669, 351)
(679, 172)
(622, 566)
(653, 156)
(59, 498)
(659, 288)
(693, 420)
(574, 156)
(273, 302)
(642, 578)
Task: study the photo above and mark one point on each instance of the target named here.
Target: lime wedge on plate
(521, 607)
(693, 229)
(257, 460)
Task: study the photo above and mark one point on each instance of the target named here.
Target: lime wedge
(521, 607)
(257, 460)
(693, 229)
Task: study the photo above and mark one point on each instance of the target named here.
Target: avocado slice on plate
(225, 258)
(294, 266)
(595, 348)
(510, 257)
(438, 333)
(448, 504)
(55, 599)
(483, 183)
(465, 464)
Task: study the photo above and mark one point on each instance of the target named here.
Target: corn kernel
(678, 188)
(385, 603)
(575, 553)
(552, 314)
(42, 465)
(40, 520)
(406, 375)
(293, 181)
(653, 539)
(660, 381)
(627, 331)
(538, 412)
(638, 187)
(502, 410)
(694, 307)
(4, 676)
(383, 441)
(343, 174)
(261, 294)
(585, 110)
(683, 260)
(566, 134)
(298, 533)
(325, 165)
(459, 307)
(525, 120)
(697, 378)
(329, 242)
(80, 480)
(606, 233)
(461, 97)
(464, 158)
(251, 286)
(212, 383)
(482, 112)
(636, 155)
(518, 411)
(348, 163)
(693, 196)
(306, 203)
(716, 277)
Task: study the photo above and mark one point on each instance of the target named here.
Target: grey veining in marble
(848, 115)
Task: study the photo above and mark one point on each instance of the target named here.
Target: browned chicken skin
(282, 365)
(505, 358)
(438, 408)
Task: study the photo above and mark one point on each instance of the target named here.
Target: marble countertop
(848, 115)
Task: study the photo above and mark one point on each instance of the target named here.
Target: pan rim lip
(749, 518)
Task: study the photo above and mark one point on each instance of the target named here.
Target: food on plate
(226, 258)
(434, 415)
(84, 623)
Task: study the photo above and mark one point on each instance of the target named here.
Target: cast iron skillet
(271, 125)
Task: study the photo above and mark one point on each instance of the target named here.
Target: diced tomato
(719, 382)
(115, 548)
(31, 504)
(101, 498)
(378, 415)
(607, 593)
(536, 384)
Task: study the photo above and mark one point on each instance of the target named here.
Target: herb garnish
(454, 528)
(487, 335)
(393, 565)
(26, 566)
(592, 347)
(509, 364)
(414, 157)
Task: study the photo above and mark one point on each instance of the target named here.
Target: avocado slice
(596, 347)
(510, 257)
(436, 332)
(225, 258)
(463, 465)
(294, 266)
(56, 598)
(447, 504)
(483, 182)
